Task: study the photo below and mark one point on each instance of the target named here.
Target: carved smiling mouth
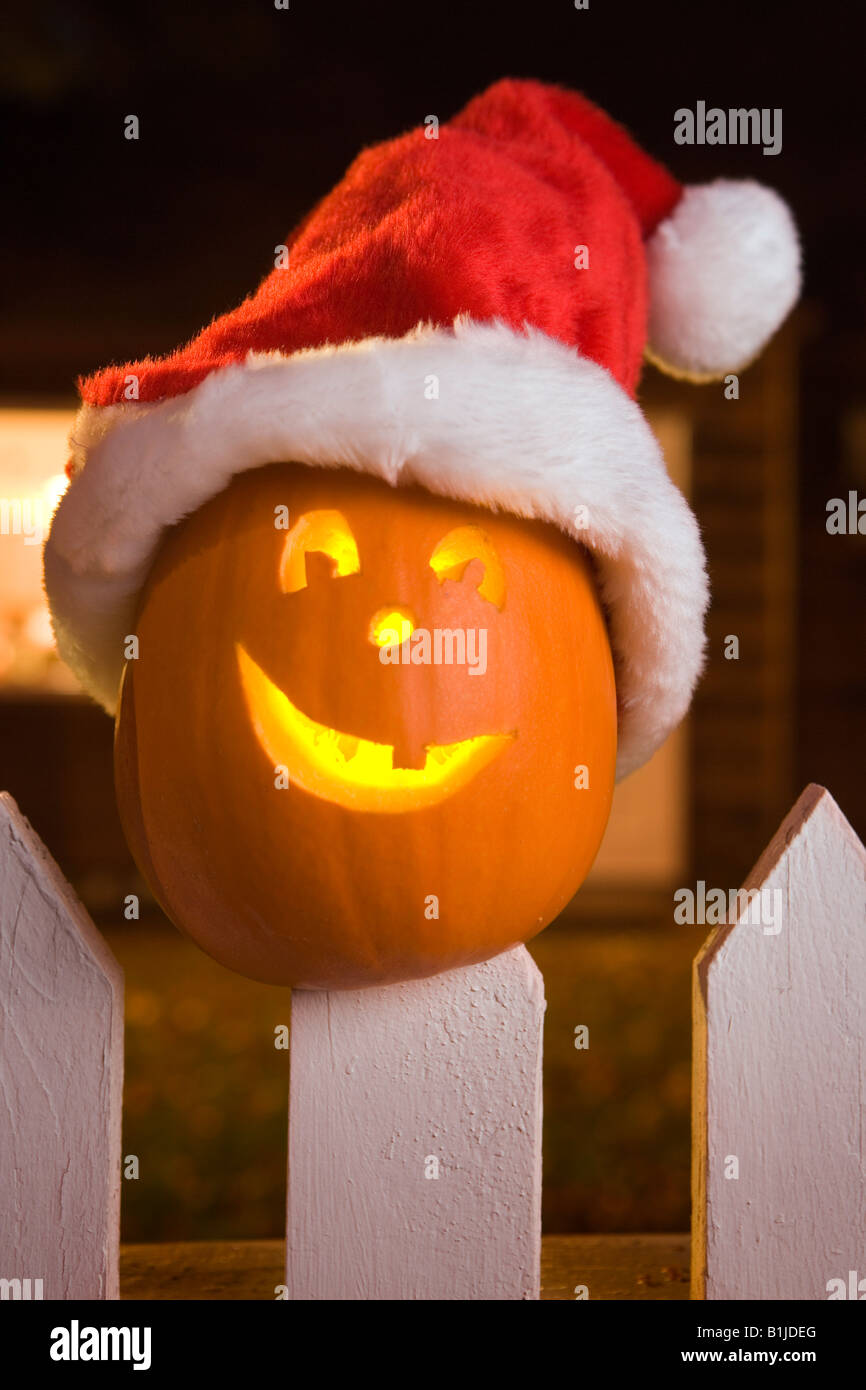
(351, 771)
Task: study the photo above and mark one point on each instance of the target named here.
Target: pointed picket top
(61, 1078)
(779, 1133)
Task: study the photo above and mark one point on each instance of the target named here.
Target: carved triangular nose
(391, 626)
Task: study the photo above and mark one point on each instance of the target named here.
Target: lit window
(33, 451)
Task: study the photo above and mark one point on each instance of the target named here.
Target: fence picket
(61, 1079)
(415, 1137)
(779, 1129)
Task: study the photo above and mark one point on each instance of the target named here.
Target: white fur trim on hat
(521, 423)
(724, 271)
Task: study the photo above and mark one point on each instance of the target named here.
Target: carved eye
(324, 533)
(462, 545)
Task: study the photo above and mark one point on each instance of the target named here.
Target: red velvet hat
(469, 313)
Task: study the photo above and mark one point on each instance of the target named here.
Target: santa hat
(454, 255)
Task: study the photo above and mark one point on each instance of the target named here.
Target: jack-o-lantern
(321, 785)
(370, 734)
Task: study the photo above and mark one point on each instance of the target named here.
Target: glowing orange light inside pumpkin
(462, 545)
(391, 627)
(351, 771)
(323, 532)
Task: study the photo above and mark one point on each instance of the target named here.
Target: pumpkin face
(347, 752)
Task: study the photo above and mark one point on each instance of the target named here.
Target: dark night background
(249, 115)
(113, 249)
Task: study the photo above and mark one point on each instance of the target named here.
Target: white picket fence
(61, 1078)
(441, 1079)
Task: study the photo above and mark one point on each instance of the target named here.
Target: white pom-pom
(724, 271)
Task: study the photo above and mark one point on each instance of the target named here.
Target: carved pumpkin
(346, 753)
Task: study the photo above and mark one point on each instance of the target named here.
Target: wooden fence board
(779, 1129)
(415, 1137)
(61, 1079)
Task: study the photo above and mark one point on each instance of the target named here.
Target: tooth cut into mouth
(351, 771)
